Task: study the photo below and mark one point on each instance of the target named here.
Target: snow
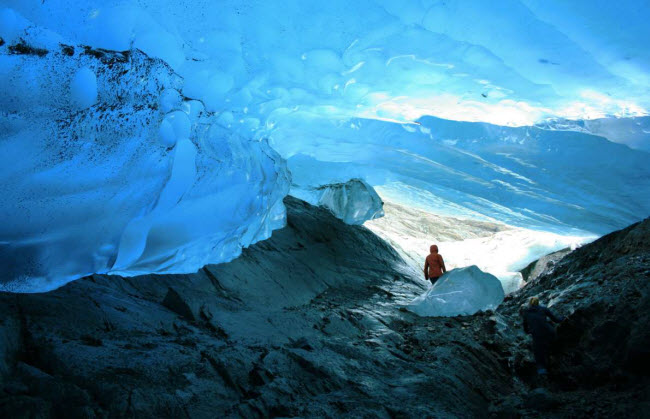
(506, 253)
(462, 291)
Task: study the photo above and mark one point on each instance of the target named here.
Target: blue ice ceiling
(116, 160)
(510, 62)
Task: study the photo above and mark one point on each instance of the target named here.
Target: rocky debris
(22, 48)
(543, 264)
(305, 324)
(308, 323)
(601, 350)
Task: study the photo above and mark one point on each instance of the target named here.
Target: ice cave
(259, 182)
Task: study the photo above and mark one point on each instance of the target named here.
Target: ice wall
(560, 181)
(633, 132)
(154, 158)
(107, 168)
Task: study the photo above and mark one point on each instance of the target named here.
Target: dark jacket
(536, 324)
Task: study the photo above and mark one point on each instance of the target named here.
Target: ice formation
(509, 62)
(461, 291)
(633, 132)
(354, 201)
(134, 134)
(560, 181)
(103, 173)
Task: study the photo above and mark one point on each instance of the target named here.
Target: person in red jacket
(434, 265)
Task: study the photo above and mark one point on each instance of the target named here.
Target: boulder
(462, 291)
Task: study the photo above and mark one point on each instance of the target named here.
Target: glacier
(159, 136)
(101, 177)
(524, 176)
(513, 62)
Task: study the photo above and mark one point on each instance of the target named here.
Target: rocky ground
(310, 323)
(602, 353)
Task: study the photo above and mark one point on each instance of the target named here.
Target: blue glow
(155, 159)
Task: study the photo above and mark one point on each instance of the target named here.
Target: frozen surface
(168, 153)
(354, 201)
(462, 291)
(99, 176)
(633, 132)
(505, 62)
(506, 253)
(83, 88)
(567, 182)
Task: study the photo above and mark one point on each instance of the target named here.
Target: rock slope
(601, 366)
(306, 323)
(311, 323)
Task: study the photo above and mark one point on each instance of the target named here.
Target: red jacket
(434, 266)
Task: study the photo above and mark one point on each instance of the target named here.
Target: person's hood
(433, 248)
